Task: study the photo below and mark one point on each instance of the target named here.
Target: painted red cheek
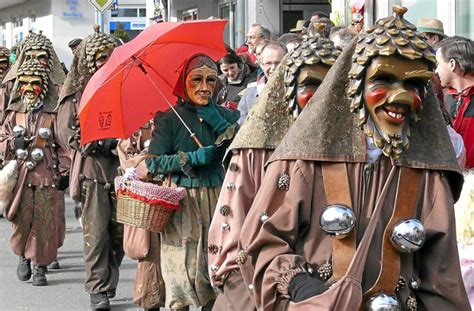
(416, 99)
(37, 89)
(375, 96)
(304, 97)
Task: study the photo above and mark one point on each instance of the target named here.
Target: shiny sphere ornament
(337, 221)
(30, 165)
(383, 302)
(146, 143)
(37, 154)
(21, 154)
(18, 131)
(408, 236)
(44, 132)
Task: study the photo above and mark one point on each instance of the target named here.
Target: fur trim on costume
(8, 179)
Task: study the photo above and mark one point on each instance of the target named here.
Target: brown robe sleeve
(437, 262)
(62, 150)
(271, 246)
(241, 183)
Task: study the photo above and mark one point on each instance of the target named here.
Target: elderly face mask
(200, 85)
(30, 88)
(102, 56)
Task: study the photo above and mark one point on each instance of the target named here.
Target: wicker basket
(146, 205)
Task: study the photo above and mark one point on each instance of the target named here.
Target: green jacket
(170, 137)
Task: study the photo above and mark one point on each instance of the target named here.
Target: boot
(100, 301)
(23, 271)
(54, 265)
(111, 293)
(39, 276)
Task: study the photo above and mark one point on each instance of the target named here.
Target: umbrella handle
(196, 140)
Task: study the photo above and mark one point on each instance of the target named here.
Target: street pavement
(65, 290)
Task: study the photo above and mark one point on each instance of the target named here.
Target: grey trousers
(103, 237)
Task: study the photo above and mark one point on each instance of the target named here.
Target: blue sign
(138, 26)
(73, 10)
(113, 25)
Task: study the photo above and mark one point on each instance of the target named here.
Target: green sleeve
(231, 116)
(162, 146)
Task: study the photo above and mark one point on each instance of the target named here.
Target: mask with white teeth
(391, 67)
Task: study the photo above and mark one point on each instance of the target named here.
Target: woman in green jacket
(200, 171)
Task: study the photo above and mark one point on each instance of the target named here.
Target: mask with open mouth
(4, 61)
(32, 83)
(391, 67)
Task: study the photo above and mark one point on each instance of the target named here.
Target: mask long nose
(401, 96)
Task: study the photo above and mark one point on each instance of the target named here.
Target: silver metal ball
(44, 132)
(408, 235)
(383, 302)
(37, 154)
(18, 131)
(21, 154)
(337, 220)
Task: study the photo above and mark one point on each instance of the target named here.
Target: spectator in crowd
(235, 77)
(300, 27)
(255, 35)
(341, 36)
(432, 28)
(271, 56)
(455, 58)
(290, 40)
(73, 44)
(318, 14)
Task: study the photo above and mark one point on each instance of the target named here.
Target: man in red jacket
(455, 58)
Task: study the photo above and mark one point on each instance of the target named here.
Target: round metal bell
(146, 143)
(21, 154)
(37, 154)
(18, 131)
(408, 236)
(337, 220)
(30, 165)
(44, 132)
(383, 302)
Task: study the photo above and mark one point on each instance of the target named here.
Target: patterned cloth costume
(273, 114)
(29, 134)
(292, 260)
(199, 170)
(94, 167)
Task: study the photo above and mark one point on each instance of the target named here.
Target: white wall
(71, 19)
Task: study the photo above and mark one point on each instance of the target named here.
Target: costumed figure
(29, 139)
(199, 170)
(94, 167)
(141, 244)
(4, 66)
(39, 47)
(284, 96)
(359, 206)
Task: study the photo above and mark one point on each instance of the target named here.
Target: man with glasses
(256, 34)
(270, 57)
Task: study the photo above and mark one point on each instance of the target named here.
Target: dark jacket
(230, 91)
(170, 137)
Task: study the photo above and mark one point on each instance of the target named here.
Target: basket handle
(149, 156)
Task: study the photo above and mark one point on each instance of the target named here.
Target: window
(127, 12)
(141, 12)
(33, 18)
(465, 18)
(191, 14)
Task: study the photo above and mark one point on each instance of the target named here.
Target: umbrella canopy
(139, 78)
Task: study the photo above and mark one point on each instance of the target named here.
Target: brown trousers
(103, 237)
(36, 226)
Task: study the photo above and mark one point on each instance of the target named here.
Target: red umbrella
(139, 78)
